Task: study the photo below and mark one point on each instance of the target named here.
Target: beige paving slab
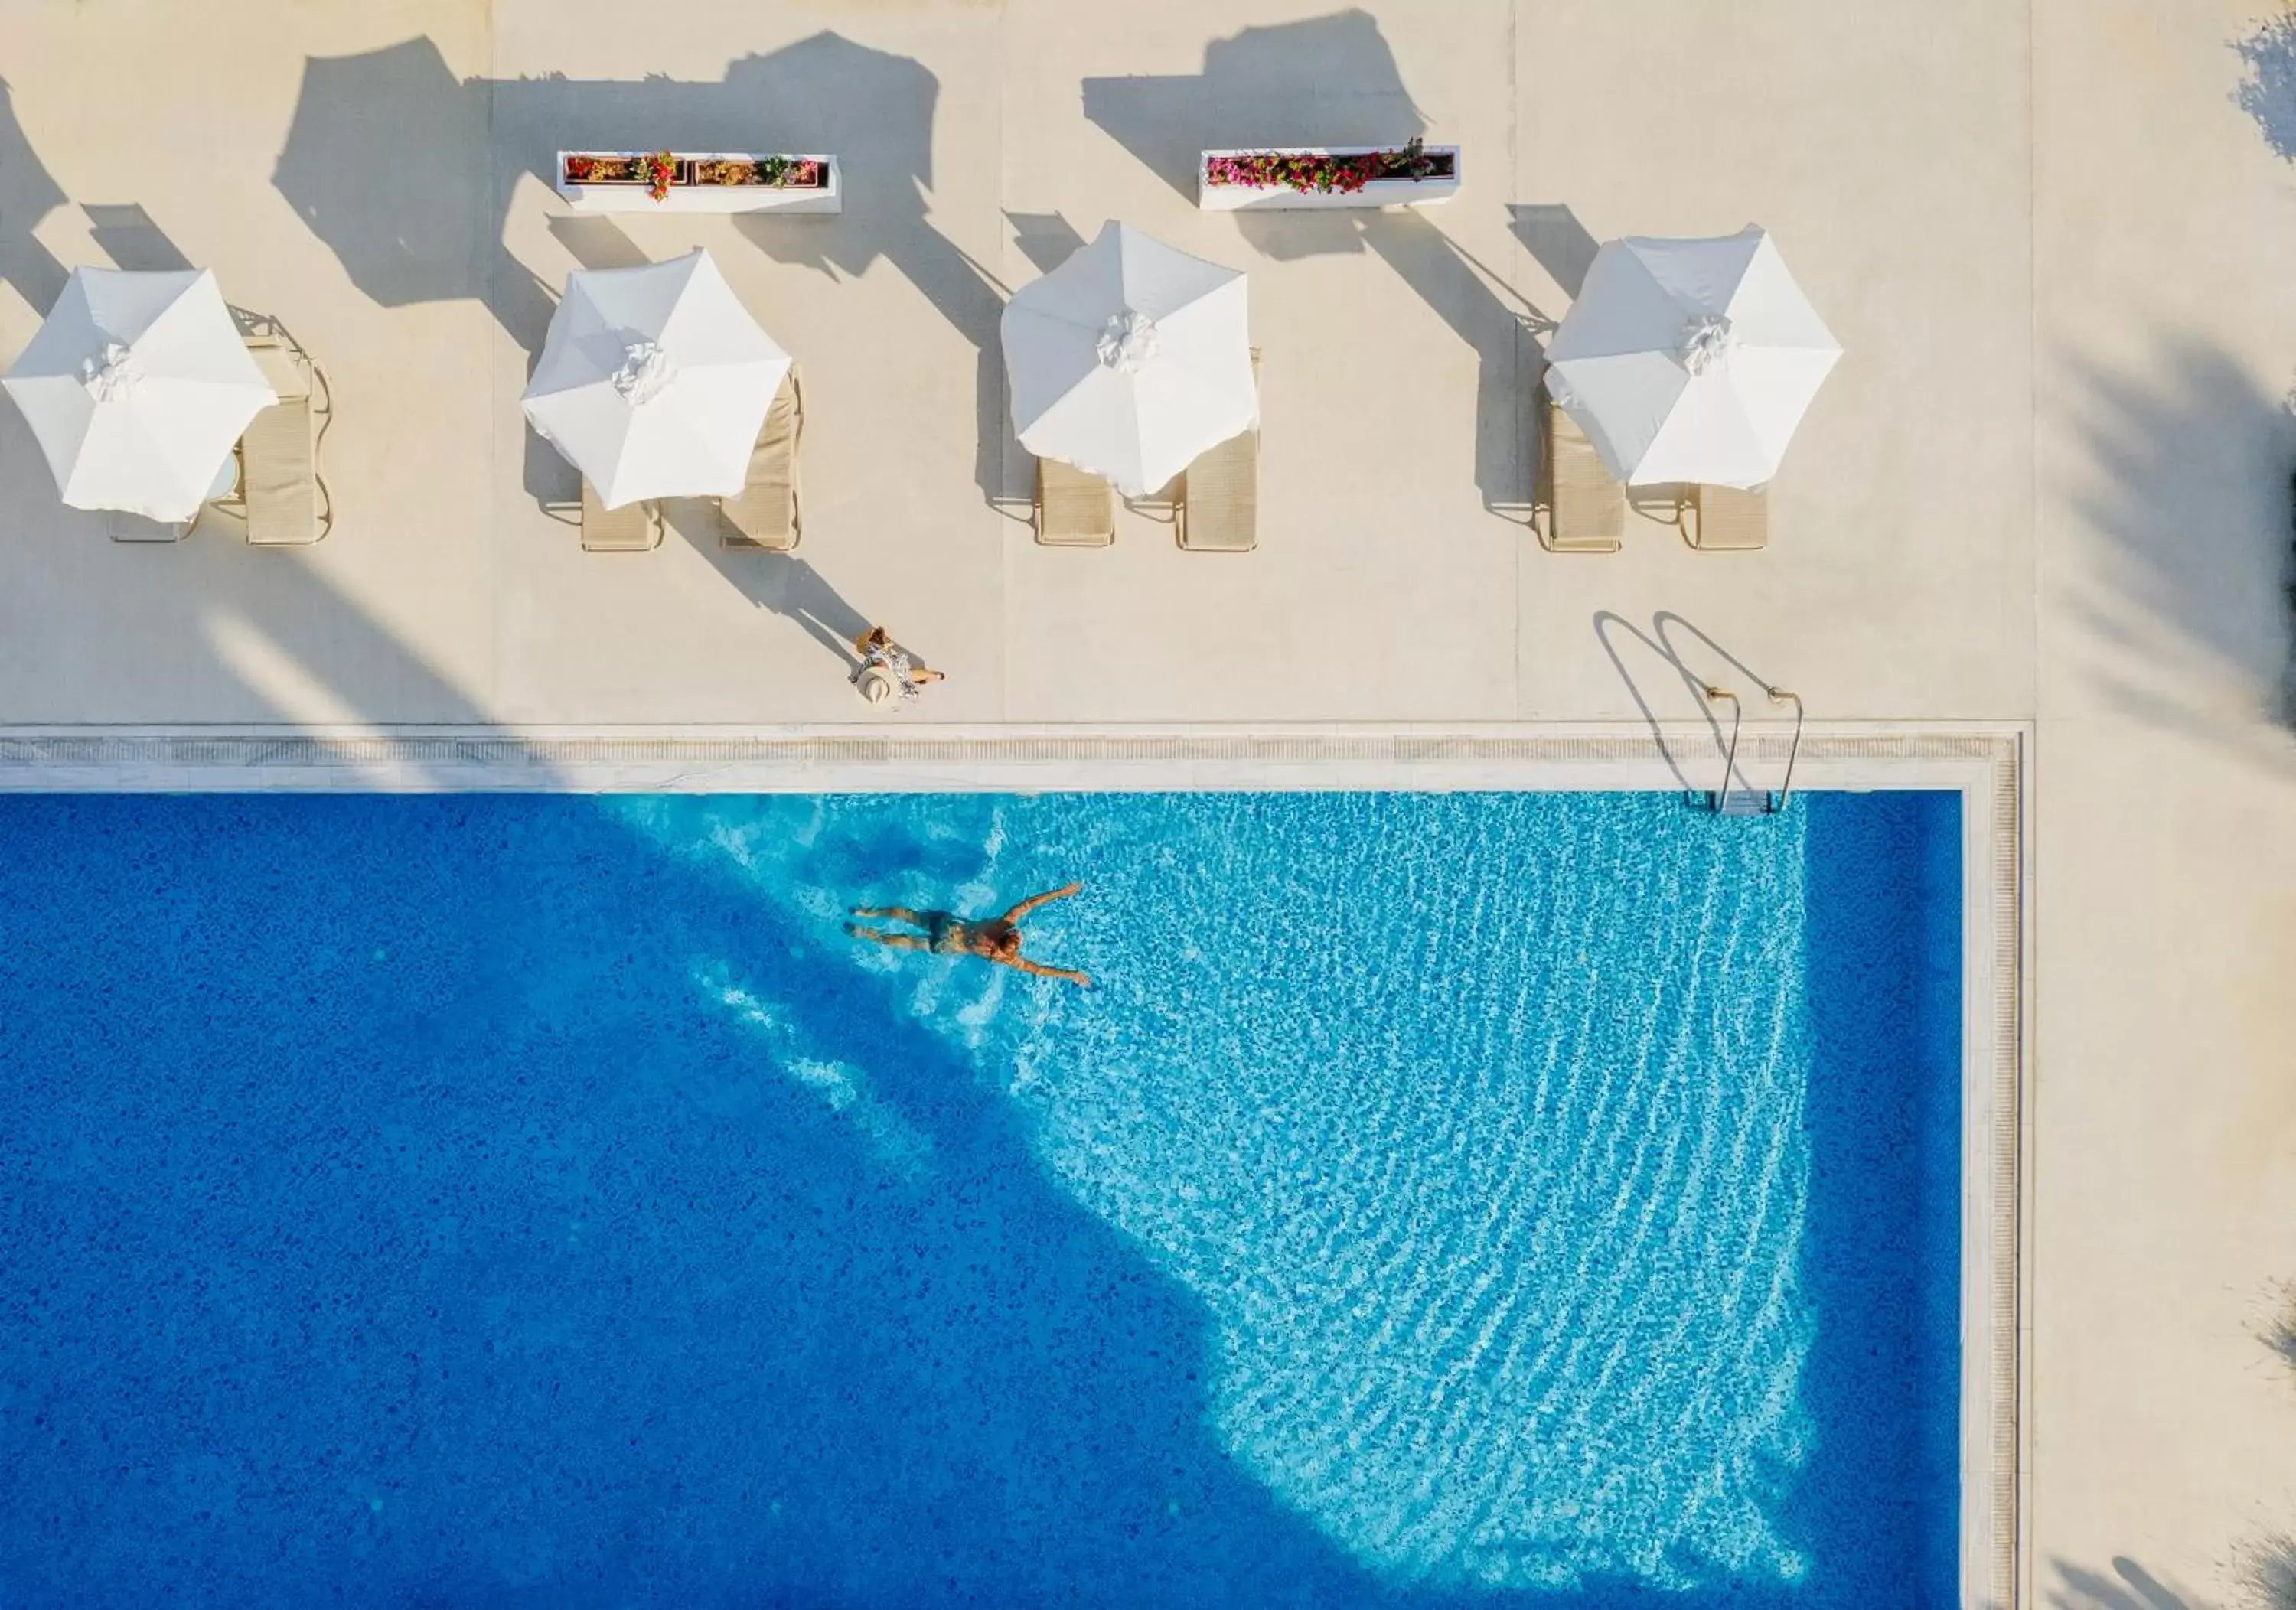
(884, 308)
(1885, 146)
(2163, 1424)
(2048, 482)
(387, 618)
(1382, 587)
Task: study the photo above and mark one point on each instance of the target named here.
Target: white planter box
(830, 197)
(1276, 198)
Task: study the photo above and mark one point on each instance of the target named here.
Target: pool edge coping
(1987, 763)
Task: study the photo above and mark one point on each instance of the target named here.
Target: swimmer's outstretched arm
(1041, 971)
(1046, 898)
(899, 913)
(900, 941)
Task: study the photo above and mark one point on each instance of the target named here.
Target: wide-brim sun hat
(875, 684)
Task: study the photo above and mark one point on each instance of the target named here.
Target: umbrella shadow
(1331, 81)
(406, 172)
(1501, 327)
(132, 240)
(1047, 239)
(597, 243)
(27, 194)
(1557, 241)
(1321, 81)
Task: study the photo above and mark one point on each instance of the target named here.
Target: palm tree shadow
(2279, 1331)
(2268, 91)
(2268, 1569)
(2195, 500)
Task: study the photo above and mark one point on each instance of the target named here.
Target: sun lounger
(1725, 518)
(276, 479)
(1218, 510)
(1578, 507)
(286, 502)
(1074, 509)
(632, 528)
(765, 513)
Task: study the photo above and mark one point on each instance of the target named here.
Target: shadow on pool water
(335, 1264)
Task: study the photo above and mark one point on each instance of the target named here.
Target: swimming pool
(1438, 1199)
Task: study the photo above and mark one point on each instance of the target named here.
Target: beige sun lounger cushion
(1726, 519)
(279, 481)
(1074, 509)
(1219, 498)
(632, 528)
(1579, 508)
(279, 475)
(1218, 510)
(766, 514)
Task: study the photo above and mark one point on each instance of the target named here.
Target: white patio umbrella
(1690, 360)
(136, 386)
(654, 381)
(1130, 359)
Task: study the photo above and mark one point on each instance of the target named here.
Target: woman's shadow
(792, 589)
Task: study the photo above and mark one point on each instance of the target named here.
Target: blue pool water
(1493, 1200)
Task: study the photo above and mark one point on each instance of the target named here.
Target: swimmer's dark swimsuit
(944, 934)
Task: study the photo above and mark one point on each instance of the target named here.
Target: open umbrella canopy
(1690, 360)
(654, 381)
(1130, 359)
(137, 387)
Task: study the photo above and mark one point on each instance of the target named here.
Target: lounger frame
(284, 442)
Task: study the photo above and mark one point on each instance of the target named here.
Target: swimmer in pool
(994, 939)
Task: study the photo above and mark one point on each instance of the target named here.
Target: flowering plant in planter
(1325, 174)
(660, 174)
(583, 168)
(775, 173)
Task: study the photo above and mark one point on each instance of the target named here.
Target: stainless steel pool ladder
(1729, 801)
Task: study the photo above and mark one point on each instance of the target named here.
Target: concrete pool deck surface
(2047, 486)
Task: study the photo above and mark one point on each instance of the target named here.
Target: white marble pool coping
(1987, 763)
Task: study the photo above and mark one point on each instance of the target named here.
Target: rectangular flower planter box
(1439, 186)
(693, 189)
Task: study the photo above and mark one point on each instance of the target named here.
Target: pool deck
(2047, 488)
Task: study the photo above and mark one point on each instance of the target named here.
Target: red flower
(1319, 174)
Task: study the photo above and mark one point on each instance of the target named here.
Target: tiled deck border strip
(1986, 763)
